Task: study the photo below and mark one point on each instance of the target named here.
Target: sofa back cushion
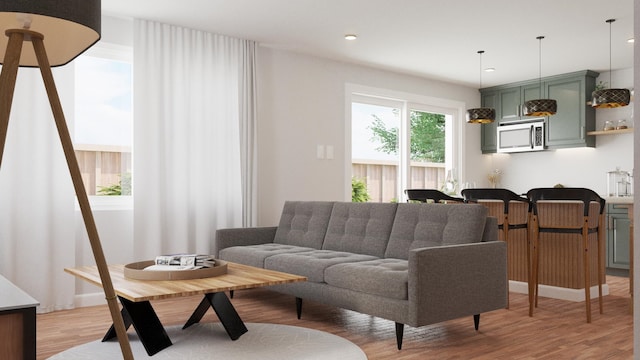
(428, 225)
(361, 228)
(303, 223)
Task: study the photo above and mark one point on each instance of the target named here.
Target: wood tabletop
(238, 277)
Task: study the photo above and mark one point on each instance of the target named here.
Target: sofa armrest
(450, 282)
(490, 229)
(242, 237)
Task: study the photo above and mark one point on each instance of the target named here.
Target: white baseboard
(91, 299)
(557, 292)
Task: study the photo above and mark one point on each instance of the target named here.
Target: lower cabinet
(618, 235)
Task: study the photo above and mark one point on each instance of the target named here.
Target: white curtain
(194, 111)
(37, 217)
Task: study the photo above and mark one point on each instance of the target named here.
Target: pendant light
(610, 98)
(540, 107)
(481, 115)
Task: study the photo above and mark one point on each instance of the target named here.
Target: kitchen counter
(626, 200)
(561, 255)
(17, 322)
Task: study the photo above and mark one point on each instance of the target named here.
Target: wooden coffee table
(135, 297)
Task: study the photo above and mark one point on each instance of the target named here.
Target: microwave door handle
(531, 135)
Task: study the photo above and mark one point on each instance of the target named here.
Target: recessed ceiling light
(489, 69)
(350, 36)
(630, 40)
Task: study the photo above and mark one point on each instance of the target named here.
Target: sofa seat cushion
(254, 255)
(311, 263)
(384, 277)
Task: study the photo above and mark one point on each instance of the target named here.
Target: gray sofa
(415, 264)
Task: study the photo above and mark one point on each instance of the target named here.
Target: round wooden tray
(136, 271)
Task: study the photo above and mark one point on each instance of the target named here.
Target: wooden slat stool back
(512, 212)
(570, 211)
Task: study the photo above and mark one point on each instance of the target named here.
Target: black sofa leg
(231, 294)
(476, 321)
(399, 333)
(299, 307)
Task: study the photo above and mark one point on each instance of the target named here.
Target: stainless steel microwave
(521, 136)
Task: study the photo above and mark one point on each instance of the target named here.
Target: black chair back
(475, 194)
(577, 194)
(424, 195)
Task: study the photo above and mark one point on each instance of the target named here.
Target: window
(399, 143)
(103, 122)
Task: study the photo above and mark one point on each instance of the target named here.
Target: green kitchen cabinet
(511, 99)
(618, 235)
(575, 117)
(567, 128)
(488, 131)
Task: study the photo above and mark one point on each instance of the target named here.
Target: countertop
(12, 297)
(628, 200)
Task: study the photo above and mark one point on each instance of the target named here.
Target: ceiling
(437, 39)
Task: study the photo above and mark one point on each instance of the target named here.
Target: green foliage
(601, 85)
(427, 136)
(123, 187)
(359, 191)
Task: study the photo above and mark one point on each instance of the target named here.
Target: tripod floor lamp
(66, 28)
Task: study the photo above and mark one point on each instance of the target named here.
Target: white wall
(636, 201)
(576, 167)
(301, 104)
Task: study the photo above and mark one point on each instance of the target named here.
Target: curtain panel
(37, 215)
(194, 141)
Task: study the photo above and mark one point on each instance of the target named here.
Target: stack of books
(181, 262)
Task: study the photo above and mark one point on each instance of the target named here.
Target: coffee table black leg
(146, 323)
(227, 314)
(111, 333)
(198, 313)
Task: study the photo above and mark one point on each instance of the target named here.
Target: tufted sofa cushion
(303, 223)
(418, 226)
(384, 277)
(254, 255)
(360, 228)
(311, 263)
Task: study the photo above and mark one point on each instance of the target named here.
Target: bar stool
(426, 195)
(584, 222)
(507, 220)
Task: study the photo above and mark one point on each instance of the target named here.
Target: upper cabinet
(488, 133)
(567, 128)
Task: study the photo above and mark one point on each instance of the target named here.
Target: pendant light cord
(480, 52)
(610, 21)
(540, 65)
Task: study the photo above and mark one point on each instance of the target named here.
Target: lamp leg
(83, 199)
(8, 84)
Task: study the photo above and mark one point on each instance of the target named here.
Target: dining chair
(577, 211)
(512, 212)
(431, 195)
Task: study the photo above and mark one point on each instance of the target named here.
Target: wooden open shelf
(611, 132)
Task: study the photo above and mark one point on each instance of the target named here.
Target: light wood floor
(558, 329)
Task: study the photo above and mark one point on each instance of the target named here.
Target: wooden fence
(102, 166)
(381, 177)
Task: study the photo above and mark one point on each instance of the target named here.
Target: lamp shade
(69, 27)
(540, 107)
(481, 115)
(610, 98)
